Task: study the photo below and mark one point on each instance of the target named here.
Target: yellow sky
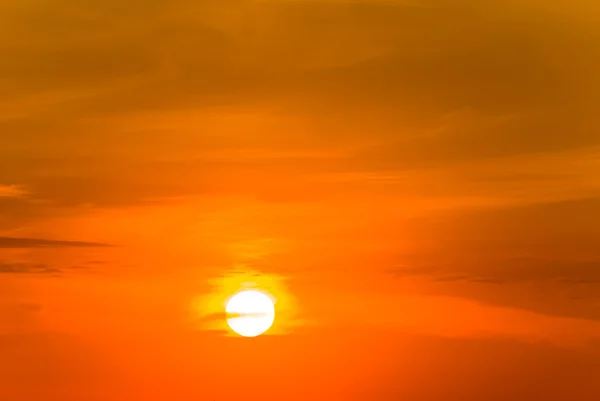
(416, 182)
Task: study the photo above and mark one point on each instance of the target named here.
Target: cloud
(10, 242)
(211, 54)
(541, 257)
(506, 270)
(12, 191)
(473, 279)
(405, 86)
(27, 268)
(437, 316)
(39, 268)
(220, 316)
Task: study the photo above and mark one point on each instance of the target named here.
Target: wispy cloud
(10, 242)
(12, 191)
(437, 316)
(36, 268)
(27, 268)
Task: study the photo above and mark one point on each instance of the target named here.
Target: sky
(416, 183)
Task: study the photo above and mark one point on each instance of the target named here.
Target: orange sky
(416, 182)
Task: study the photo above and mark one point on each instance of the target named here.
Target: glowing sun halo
(250, 313)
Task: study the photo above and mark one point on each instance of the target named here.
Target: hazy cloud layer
(488, 82)
(458, 138)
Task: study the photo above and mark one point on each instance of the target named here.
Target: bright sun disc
(250, 313)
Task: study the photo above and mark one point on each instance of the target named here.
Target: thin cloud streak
(27, 268)
(12, 242)
(12, 191)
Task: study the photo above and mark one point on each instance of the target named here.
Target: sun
(250, 313)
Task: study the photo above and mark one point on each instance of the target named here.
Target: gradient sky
(417, 183)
